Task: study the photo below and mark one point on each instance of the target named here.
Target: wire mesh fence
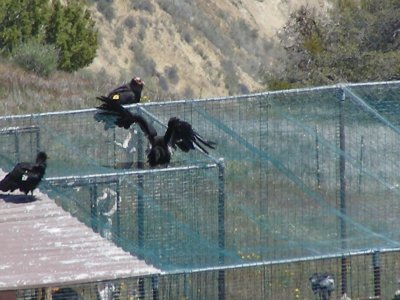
(308, 183)
(150, 212)
(275, 280)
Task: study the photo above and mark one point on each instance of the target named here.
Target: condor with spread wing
(25, 176)
(178, 134)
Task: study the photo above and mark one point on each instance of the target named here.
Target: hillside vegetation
(355, 41)
(24, 92)
(182, 49)
(187, 49)
(190, 49)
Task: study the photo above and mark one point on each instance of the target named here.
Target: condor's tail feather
(112, 113)
(203, 142)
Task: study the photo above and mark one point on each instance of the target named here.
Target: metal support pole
(140, 206)
(342, 193)
(186, 286)
(140, 148)
(377, 274)
(17, 155)
(114, 148)
(317, 159)
(141, 288)
(37, 141)
(155, 287)
(94, 208)
(221, 228)
(361, 164)
(118, 218)
(140, 196)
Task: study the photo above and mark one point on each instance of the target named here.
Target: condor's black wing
(121, 89)
(125, 95)
(16, 177)
(113, 113)
(180, 133)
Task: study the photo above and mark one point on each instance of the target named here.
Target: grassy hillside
(23, 92)
(182, 49)
(191, 49)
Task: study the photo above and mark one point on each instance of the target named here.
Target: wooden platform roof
(43, 245)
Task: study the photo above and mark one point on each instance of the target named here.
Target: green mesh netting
(305, 173)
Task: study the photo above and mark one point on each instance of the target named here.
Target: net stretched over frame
(309, 173)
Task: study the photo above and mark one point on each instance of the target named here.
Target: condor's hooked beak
(138, 80)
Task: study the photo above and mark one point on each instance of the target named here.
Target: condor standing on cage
(128, 93)
(25, 176)
(178, 134)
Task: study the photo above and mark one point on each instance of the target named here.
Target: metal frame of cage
(345, 92)
(17, 131)
(151, 287)
(93, 180)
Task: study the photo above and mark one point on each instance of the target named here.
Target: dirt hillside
(191, 49)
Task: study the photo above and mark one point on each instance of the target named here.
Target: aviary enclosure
(301, 181)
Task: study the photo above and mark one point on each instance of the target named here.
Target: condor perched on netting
(179, 133)
(25, 176)
(128, 93)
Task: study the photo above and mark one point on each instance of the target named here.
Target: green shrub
(36, 57)
(65, 24)
(275, 84)
(21, 21)
(72, 30)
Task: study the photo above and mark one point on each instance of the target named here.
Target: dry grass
(151, 46)
(171, 34)
(22, 92)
